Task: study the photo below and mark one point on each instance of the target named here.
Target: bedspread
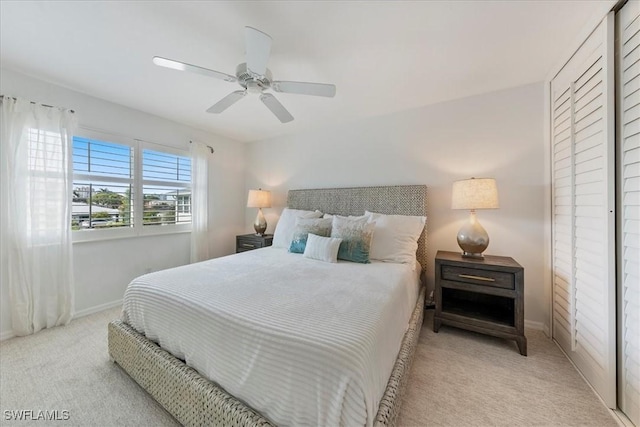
(301, 341)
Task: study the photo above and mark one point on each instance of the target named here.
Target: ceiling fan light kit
(254, 77)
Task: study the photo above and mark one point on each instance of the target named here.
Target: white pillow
(395, 237)
(286, 224)
(322, 248)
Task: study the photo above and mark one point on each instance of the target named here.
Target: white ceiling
(384, 57)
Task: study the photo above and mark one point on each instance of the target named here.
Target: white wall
(103, 269)
(496, 135)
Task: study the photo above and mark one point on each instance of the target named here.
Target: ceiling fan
(254, 77)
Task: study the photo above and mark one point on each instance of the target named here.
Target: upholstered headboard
(391, 200)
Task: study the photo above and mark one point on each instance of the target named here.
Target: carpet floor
(458, 378)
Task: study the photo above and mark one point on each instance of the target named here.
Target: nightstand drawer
(496, 279)
(249, 242)
(247, 246)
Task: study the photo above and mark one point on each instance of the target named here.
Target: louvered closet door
(583, 143)
(628, 49)
(563, 213)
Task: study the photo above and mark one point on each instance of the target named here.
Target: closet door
(628, 115)
(583, 125)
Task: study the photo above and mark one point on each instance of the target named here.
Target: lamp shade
(475, 193)
(259, 199)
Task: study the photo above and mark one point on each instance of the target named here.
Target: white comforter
(301, 341)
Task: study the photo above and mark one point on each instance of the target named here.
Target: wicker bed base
(196, 401)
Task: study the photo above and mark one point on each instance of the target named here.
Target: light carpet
(458, 378)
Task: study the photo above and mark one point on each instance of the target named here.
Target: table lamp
(259, 199)
(472, 194)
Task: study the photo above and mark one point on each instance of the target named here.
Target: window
(167, 188)
(125, 188)
(102, 184)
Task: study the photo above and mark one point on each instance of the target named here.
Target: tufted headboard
(391, 200)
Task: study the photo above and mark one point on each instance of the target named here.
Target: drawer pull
(248, 245)
(484, 279)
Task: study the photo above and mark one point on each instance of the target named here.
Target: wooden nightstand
(248, 242)
(484, 295)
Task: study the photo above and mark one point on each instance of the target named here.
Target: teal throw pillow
(356, 234)
(304, 226)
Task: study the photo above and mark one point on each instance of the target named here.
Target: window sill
(89, 236)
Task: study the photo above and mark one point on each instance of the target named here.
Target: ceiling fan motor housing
(252, 82)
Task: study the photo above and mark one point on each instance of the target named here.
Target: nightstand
(248, 242)
(481, 295)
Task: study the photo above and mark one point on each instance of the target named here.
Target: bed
(194, 400)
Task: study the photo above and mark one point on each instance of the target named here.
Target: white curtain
(35, 148)
(200, 155)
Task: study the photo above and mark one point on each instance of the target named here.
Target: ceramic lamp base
(473, 238)
(260, 224)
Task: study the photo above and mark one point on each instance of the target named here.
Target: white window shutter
(628, 46)
(583, 210)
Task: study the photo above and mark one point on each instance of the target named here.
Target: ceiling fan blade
(258, 47)
(227, 101)
(305, 88)
(276, 108)
(182, 66)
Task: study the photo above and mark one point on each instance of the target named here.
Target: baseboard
(97, 308)
(530, 324)
(6, 335)
(87, 311)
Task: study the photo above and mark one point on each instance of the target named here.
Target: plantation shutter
(628, 48)
(583, 210)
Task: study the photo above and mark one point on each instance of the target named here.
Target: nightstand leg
(522, 345)
(436, 324)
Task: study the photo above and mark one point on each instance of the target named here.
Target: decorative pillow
(322, 248)
(350, 216)
(395, 237)
(304, 226)
(287, 222)
(356, 237)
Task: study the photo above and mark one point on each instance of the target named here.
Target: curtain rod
(208, 146)
(35, 103)
(99, 130)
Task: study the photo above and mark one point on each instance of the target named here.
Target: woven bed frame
(195, 401)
